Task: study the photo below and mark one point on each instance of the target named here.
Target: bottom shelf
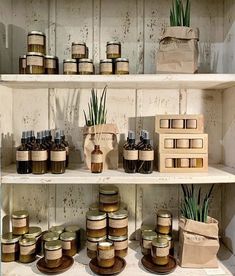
(133, 267)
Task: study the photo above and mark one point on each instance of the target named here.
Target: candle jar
(169, 163)
(96, 223)
(92, 246)
(171, 242)
(85, 66)
(147, 238)
(145, 228)
(182, 143)
(118, 223)
(177, 123)
(113, 49)
(120, 245)
(164, 222)
(96, 160)
(74, 229)
(49, 236)
(35, 233)
(27, 250)
(78, 50)
(182, 162)
(9, 247)
(20, 222)
(160, 251)
(191, 123)
(35, 63)
(57, 229)
(121, 66)
(105, 254)
(37, 42)
(51, 65)
(22, 64)
(53, 254)
(196, 162)
(69, 243)
(70, 67)
(164, 123)
(106, 67)
(108, 198)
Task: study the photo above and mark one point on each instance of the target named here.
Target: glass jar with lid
(118, 223)
(74, 229)
(122, 66)
(96, 223)
(171, 242)
(53, 254)
(36, 233)
(27, 250)
(147, 238)
(160, 251)
(22, 64)
(108, 198)
(35, 63)
(94, 207)
(105, 254)
(57, 229)
(78, 50)
(147, 228)
(92, 246)
(113, 49)
(49, 236)
(120, 245)
(51, 65)
(106, 67)
(37, 42)
(9, 247)
(69, 243)
(164, 222)
(70, 67)
(85, 66)
(20, 222)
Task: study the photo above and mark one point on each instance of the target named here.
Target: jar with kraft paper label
(171, 242)
(51, 65)
(120, 245)
(69, 243)
(92, 246)
(85, 66)
(113, 49)
(160, 251)
(39, 156)
(53, 254)
(36, 233)
(78, 50)
(35, 63)
(37, 42)
(121, 66)
(96, 160)
(70, 67)
(118, 223)
(20, 222)
(58, 155)
(164, 222)
(75, 229)
(96, 223)
(105, 254)
(27, 250)
(106, 67)
(109, 198)
(9, 247)
(147, 238)
(146, 156)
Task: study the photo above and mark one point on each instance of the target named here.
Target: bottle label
(78, 49)
(164, 221)
(70, 67)
(106, 67)
(34, 60)
(106, 254)
(122, 66)
(22, 155)
(121, 245)
(27, 250)
(24, 63)
(39, 155)
(162, 252)
(109, 198)
(130, 154)
(66, 245)
(92, 246)
(9, 248)
(97, 158)
(147, 244)
(96, 224)
(113, 49)
(67, 150)
(58, 155)
(53, 254)
(85, 67)
(36, 39)
(146, 155)
(18, 223)
(118, 223)
(50, 63)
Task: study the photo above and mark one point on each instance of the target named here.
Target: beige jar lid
(79, 43)
(84, 60)
(51, 236)
(118, 239)
(168, 237)
(20, 214)
(72, 228)
(69, 60)
(96, 239)
(164, 214)
(147, 228)
(27, 241)
(68, 236)
(35, 54)
(51, 57)
(113, 43)
(95, 215)
(36, 33)
(53, 245)
(149, 235)
(57, 229)
(9, 238)
(105, 244)
(106, 60)
(108, 189)
(121, 214)
(22, 56)
(121, 60)
(34, 232)
(160, 242)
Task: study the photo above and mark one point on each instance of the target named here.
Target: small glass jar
(35, 63)
(69, 243)
(113, 49)
(106, 67)
(160, 251)
(36, 233)
(145, 228)
(108, 198)
(57, 229)
(51, 65)
(121, 66)
(53, 254)
(49, 236)
(37, 42)
(171, 243)
(78, 50)
(85, 66)
(96, 224)
(27, 250)
(74, 229)
(92, 246)
(22, 64)
(147, 238)
(118, 223)
(120, 245)
(105, 254)
(164, 222)
(20, 222)
(70, 67)
(9, 247)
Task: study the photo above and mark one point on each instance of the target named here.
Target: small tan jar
(36, 233)
(20, 222)
(85, 66)
(78, 50)
(145, 228)
(9, 247)
(164, 222)
(108, 198)
(121, 66)
(74, 229)
(118, 223)
(70, 67)
(147, 238)
(22, 64)
(120, 245)
(105, 254)
(106, 67)
(113, 49)
(171, 242)
(53, 254)
(51, 65)
(27, 250)
(160, 251)
(92, 246)
(96, 223)
(69, 243)
(35, 63)
(37, 42)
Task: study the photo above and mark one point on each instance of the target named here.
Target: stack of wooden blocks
(182, 145)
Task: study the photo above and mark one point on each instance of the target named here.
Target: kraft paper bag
(178, 51)
(198, 243)
(108, 145)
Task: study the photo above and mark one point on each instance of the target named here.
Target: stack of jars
(107, 228)
(36, 61)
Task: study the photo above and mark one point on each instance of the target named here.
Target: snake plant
(180, 16)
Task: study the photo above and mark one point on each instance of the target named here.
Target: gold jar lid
(106, 60)
(147, 228)
(51, 236)
(51, 57)
(121, 60)
(36, 33)
(120, 238)
(9, 238)
(95, 215)
(72, 228)
(68, 236)
(113, 43)
(53, 245)
(121, 214)
(108, 189)
(79, 43)
(34, 232)
(57, 229)
(20, 214)
(105, 244)
(168, 237)
(27, 241)
(94, 207)
(149, 235)
(164, 214)
(35, 54)
(160, 242)
(96, 239)
(84, 60)
(69, 60)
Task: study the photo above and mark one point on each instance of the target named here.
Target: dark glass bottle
(32, 138)
(146, 156)
(48, 147)
(131, 154)
(96, 160)
(140, 144)
(39, 156)
(124, 147)
(66, 145)
(23, 165)
(58, 155)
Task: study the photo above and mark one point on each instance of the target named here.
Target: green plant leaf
(85, 117)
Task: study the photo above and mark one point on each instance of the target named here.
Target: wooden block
(183, 163)
(182, 143)
(179, 123)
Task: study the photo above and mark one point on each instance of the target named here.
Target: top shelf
(141, 81)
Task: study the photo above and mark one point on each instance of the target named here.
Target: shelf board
(133, 267)
(77, 175)
(146, 81)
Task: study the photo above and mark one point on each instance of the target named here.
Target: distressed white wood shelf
(133, 267)
(77, 175)
(147, 81)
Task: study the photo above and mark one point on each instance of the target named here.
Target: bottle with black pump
(23, 165)
(32, 138)
(130, 154)
(66, 145)
(146, 156)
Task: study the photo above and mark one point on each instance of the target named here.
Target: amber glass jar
(164, 222)
(108, 198)
(92, 246)
(160, 251)
(37, 42)
(53, 254)
(69, 243)
(27, 250)
(20, 222)
(9, 247)
(70, 67)
(121, 66)
(105, 254)
(147, 238)
(96, 224)
(51, 65)
(120, 245)
(58, 156)
(74, 229)
(22, 64)
(36, 233)
(57, 229)
(96, 160)
(106, 67)
(118, 223)
(85, 66)
(113, 49)
(78, 50)
(35, 63)
(171, 242)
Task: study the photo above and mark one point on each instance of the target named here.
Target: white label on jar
(66, 245)
(22, 222)
(106, 67)
(106, 254)
(58, 155)
(24, 63)
(96, 224)
(96, 158)
(53, 254)
(27, 250)
(130, 154)
(121, 245)
(70, 67)
(22, 155)
(34, 60)
(50, 63)
(109, 198)
(147, 244)
(67, 150)
(78, 49)
(118, 223)
(92, 246)
(9, 248)
(122, 66)
(162, 252)
(85, 67)
(146, 155)
(164, 221)
(36, 39)
(39, 155)
(113, 49)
